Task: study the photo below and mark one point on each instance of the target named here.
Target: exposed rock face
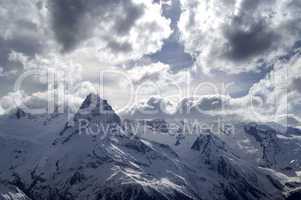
(279, 150)
(269, 143)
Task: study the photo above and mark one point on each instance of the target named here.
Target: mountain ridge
(70, 165)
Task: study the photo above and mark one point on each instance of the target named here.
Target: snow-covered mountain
(95, 157)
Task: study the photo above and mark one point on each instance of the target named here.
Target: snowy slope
(267, 145)
(35, 128)
(88, 166)
(93, 156)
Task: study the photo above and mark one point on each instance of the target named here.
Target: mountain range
(96, 156)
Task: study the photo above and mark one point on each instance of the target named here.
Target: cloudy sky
(239, 52)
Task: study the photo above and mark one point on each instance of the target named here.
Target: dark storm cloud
(67, 16)
(244, 44)
(239, 35)
(74, 21)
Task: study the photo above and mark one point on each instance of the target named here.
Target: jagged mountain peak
(91, 99)
(94, 108)
(95, 117)
(94, 102)
(270, 143)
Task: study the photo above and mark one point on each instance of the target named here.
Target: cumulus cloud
(203, 103)
(239, 35)
(211, 108)
(199, 108)
(129, 85)
(19, 99)
(122, 86)
(2, 111)
(44, 68)
(74, 21)
(216, 105)
(48, 101)
(22, 29)
(153, 71)
(76, 39)
(6, 73)
(279, 91)
(12, 100)
(152, 108)
(289, 120)
(115, 30)
(67, 100)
